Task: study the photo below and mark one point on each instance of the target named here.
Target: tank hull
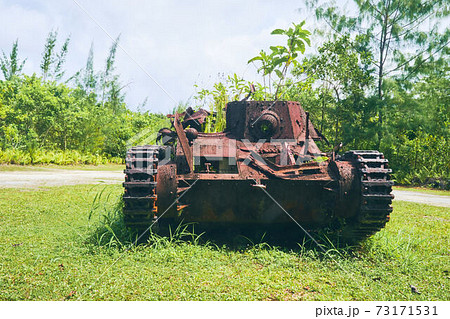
(266, 202)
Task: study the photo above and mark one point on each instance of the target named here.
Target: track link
(376, 195)
(140, 198)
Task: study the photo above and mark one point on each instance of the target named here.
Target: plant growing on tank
(235, 88)
(231, 89)
(281, 57)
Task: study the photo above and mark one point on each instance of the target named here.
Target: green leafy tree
(39, 115)
(11, 65)
(48, 54)
(52, 63)
(391, 27)
(110, 85)
(86, 78)
(418, 122)
(343, 74)
(61, 60)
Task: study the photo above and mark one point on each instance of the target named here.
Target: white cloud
(177, 42)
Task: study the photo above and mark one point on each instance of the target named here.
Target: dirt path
(416, 197)
(56, 177)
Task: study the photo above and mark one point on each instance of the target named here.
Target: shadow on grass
(107, 230)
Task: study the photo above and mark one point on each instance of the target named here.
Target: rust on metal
(267, 147)
(184, 142)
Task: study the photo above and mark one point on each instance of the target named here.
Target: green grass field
(51, 250)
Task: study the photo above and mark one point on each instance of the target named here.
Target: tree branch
(406, 62)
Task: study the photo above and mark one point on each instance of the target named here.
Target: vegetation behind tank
(338, 87)
(404, 114)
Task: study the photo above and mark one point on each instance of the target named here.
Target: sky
(177, 43)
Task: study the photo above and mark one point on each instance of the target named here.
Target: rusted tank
(264, 170)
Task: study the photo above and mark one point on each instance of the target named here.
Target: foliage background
(378, 80)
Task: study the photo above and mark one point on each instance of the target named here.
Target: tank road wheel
(140, 187)
(375, 196)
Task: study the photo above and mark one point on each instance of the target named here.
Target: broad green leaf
(278, 61)
(256, 58)
(279, 73)
(278, 31)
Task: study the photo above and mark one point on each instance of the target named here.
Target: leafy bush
(58, 157)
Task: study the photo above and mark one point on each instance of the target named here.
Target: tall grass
(107, 228)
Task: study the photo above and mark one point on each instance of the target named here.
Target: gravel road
(57, 177)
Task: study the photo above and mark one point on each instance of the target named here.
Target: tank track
(140, 197)
(376, 197)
